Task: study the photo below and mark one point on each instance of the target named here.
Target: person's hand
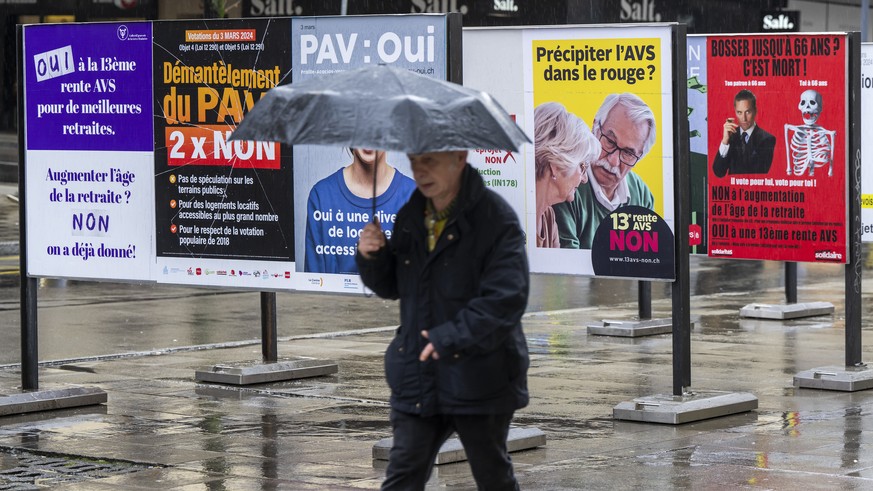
(429, 351)
(372, 239)
(729, 129)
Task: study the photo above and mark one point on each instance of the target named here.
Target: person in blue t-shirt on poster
(341, 204)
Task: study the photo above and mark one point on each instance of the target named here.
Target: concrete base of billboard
(48, 400)
(846, 379)
(670, 409)
(452, 450)
(259, 373)
(631, 329)
(787, 311)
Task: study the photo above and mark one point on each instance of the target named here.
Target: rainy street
(249, 153)
(142, 343)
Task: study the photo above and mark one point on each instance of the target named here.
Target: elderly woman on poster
(564, 146)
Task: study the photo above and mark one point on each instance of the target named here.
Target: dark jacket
(469, 294)
(754, 157)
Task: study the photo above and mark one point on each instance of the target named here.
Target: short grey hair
(637, 110)
(561, 138)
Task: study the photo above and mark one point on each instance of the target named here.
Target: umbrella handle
(375, 177)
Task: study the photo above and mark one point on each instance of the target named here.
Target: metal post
(644, 298)
(790, 282)
(853, 265)
(865, 11)
(29, 328)
(29, 336)
(681, 292)
(269, 333)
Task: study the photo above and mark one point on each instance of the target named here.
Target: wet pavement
(162, 430)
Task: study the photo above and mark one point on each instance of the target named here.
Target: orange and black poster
(219, 202)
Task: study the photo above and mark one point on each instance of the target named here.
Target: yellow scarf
(435, 222)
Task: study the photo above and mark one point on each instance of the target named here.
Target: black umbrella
(384, 108)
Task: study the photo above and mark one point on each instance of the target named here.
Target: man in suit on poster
(745, 147)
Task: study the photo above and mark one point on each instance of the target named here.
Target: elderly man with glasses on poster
(625, 126)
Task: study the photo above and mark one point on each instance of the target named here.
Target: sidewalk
(8, 157)
(9, 229)
(160, 429)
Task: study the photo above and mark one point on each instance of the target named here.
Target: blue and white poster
(333, 186)
(88, 150)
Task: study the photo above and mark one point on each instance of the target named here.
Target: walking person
(459, 359)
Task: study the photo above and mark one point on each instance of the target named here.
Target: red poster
(777, 128)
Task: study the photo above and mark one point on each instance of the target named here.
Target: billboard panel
(697, 134)
(130, 169)
(777, 147)
(602, 99)
(223, 213)
(88, 150)
(866, 142)
(491, 67)
(333, 186)
(555, 85)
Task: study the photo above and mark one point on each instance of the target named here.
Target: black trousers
(417, 441)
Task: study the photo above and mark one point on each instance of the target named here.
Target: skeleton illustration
(810, 145)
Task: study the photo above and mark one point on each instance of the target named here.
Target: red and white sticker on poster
(210, 145)
(777, 147)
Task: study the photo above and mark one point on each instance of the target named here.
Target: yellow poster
(599, 105)
(580, 74)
